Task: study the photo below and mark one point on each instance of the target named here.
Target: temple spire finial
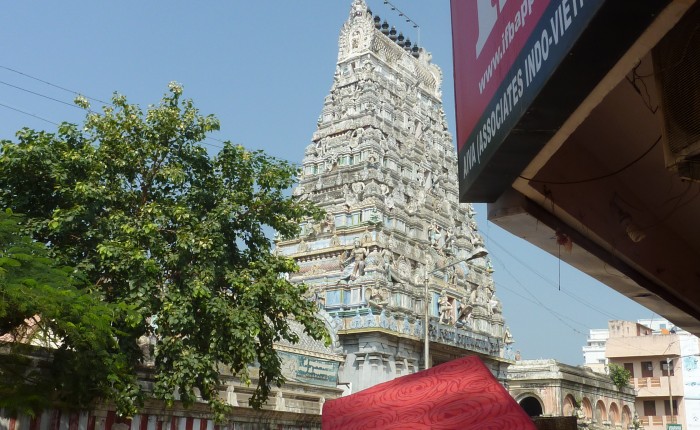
(359, 8)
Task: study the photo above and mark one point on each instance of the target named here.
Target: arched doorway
(600, 412)
(626, 416)
(587, 408)
(569, 408)
(531, 405)
(614, 414)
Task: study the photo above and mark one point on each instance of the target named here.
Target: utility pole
(670, 394)
(476, 253)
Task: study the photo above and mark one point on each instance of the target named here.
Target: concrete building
(395, 249)
(551, 389)
(594, 352)
(664, 367)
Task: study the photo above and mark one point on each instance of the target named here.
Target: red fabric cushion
(460, 394)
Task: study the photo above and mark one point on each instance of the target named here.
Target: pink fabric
(461, 394)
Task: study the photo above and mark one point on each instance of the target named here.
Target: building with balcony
(664, 372)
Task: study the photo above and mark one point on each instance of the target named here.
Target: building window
(397, 299)
(333, 298)
(647, 369)
(649, 408)
(400, 225)
(355, 295)
(434, 307)
(630, 368)
(349, 160)
(311, 169)
(666, 367)
(667, 408)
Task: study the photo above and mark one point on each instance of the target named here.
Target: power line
(536, 301)
(573, 296)
(30, 114)
(555, 314)
(41, 95)
(204, 142)
(53, 85)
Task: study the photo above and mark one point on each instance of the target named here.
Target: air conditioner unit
(677, 70)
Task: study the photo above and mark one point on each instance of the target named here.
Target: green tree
(133, 201)
(619, 375)
(41, 305)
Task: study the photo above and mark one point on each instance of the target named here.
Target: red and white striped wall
(54, 419)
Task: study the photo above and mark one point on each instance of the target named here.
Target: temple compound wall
(551, 389)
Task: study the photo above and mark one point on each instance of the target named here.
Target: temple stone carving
(383, 166)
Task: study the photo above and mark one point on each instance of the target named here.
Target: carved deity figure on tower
(452, 276)
(445, 308)
(434, 234)
(473, 292)
(358, 255)
(350, 197)
(328, 223)
(493, 303)
(377, 298)
(474, 236)
(448, 240)
(387, 260)
(464, 312)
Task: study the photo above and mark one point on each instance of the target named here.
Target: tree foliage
(42, 305)
(136, 204)
(619, 375)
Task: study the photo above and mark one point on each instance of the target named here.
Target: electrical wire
(41, 95)
(53, 85)
(562, 318)
(533, 298)
(597, 178)
(552, 283)
(204, 142)
(555, 314)
(646, 97)
(29, 114)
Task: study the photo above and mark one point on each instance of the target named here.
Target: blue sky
(263, 68)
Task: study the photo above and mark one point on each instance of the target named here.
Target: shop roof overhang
(591, 169)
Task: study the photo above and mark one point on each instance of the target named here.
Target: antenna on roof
(404, 16)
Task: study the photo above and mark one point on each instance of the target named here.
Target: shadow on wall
(555, 423)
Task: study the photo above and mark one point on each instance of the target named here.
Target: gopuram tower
(383, 166)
